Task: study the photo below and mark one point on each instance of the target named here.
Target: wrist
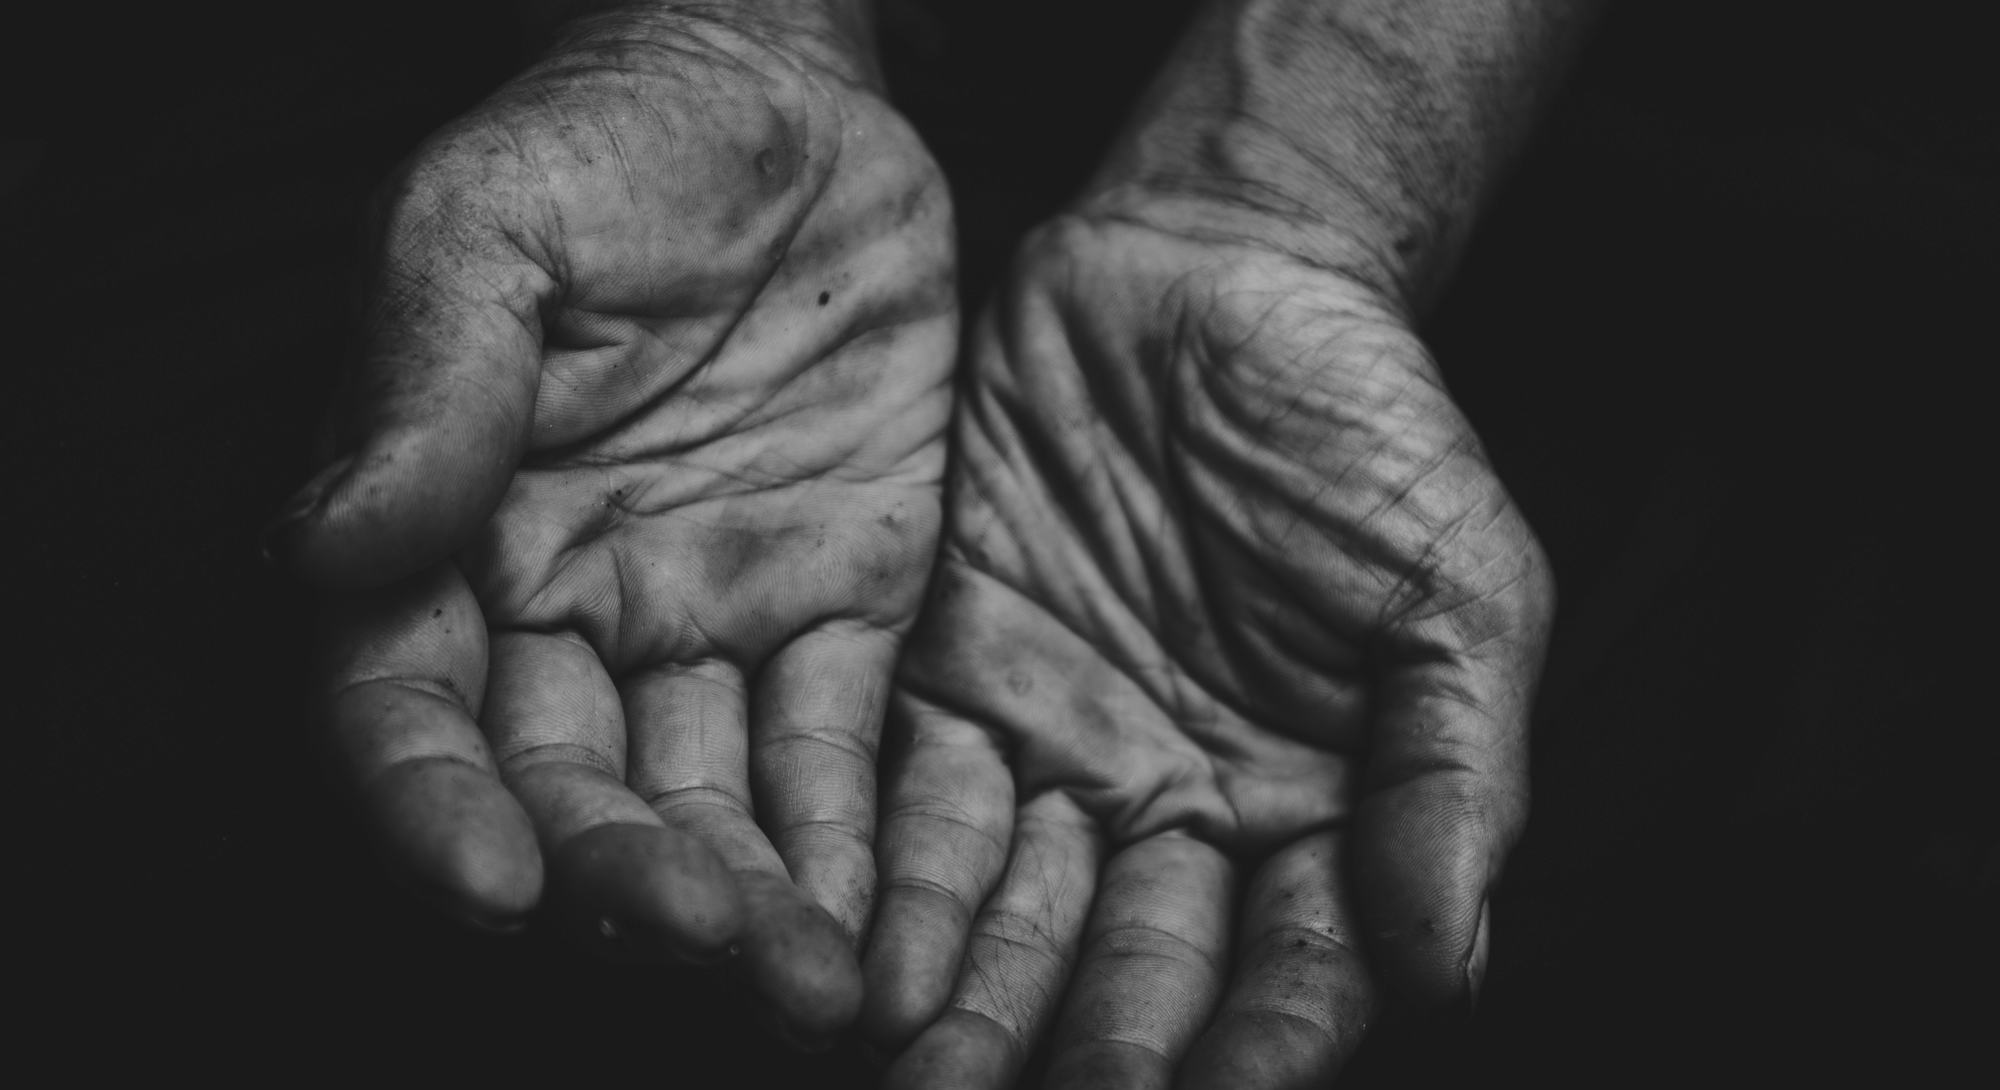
(841, 32)
(1359, 134)
(1262, 129)
(1325, 232)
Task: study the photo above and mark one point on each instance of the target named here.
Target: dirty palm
(642, 499)
(1229, 601)
(646, 450)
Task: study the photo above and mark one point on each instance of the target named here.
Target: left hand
(643, 490)
(1217, 711)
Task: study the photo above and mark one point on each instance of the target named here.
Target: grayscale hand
(641, 493)
(1217, 711)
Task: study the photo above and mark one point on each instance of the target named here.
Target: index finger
(403, 670)
(814, 727)
(1301, 997)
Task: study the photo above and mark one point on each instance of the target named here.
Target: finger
(1301, 996)
(630, 887)
(1151, 969)
(442, 399)
(405, 669)
(1445, 795)
(947, 815)
(814, 727)
(1022, 947)
(689, 748)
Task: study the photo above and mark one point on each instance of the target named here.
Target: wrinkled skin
(644, 455)
(1214, 722)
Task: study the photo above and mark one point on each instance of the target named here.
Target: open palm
(643, 489)
(1222, 680)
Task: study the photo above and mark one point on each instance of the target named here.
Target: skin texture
(1214, 727)
(639, 493)
(1214, 733)
(1221, 689)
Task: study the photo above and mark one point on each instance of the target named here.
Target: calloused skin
(642, 489)
(1221, 688)
(1215, 721)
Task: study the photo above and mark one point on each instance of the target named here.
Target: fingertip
(646, 893)
(841, 879)
(798, 961)
(280, 538)
(797, 1038)
(1475, 962)
(892, 1013)
(911, 963)
(1423, 964)
(960, 1052)
(455, 835)
(1109, 1063)
(398, 506)
(908, 970)
(1265, 1050)
(1423, 868)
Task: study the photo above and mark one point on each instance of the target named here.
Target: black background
(1724, 333)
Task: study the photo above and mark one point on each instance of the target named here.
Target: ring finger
(690, 753)
(625, 883)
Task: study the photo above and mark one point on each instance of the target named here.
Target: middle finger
(690, 754)
(1017, 958)
(1152, 966)
(632, 888)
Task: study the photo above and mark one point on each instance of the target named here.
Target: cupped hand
(639, 493)
(1216, 715)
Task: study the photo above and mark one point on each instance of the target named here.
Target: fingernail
(275, 539)
(1475, 962)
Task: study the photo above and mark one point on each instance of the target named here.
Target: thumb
(439, 408)
(1445, 798)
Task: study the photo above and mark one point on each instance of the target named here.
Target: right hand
(1217, 714)
(639, 495)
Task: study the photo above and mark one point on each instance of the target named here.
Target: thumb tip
(363, 523)
(282, 537)
(1476, 957)
(1435, 964)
